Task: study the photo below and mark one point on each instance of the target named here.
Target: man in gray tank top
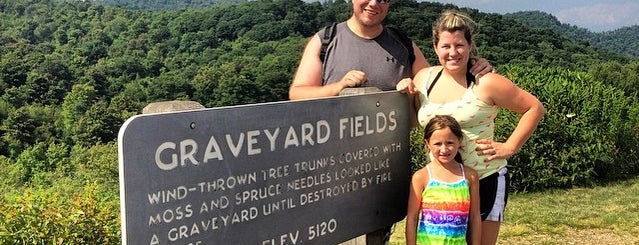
(383, 59)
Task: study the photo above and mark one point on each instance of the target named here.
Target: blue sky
(596, 16)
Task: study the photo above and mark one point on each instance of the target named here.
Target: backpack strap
(329, 33)
(406, 41)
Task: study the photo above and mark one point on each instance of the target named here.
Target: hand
(406, 85)
(354, 78)
(481, 67)
(495, 150)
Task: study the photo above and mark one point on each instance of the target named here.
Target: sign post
(313, 171)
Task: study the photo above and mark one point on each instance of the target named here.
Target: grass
(600, 215)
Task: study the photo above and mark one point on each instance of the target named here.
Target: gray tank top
(384, 59)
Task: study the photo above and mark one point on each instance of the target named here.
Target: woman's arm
(505, 94)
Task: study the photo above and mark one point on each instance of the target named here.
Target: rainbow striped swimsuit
(445, 209)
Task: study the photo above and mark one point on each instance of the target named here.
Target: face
(443, 144)
(453, 50)
(370, 13)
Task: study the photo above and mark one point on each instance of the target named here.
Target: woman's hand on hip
(494, 149)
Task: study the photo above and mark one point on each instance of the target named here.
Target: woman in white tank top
(450, 90)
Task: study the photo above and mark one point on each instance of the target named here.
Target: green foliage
(59, 216)
(99, 124)
(166, 4)
(35, 162)
(588, 135)
(97, 164)
(47, 208)
(75, 104)
(625, 77)
(12, 177)
(622, 40)
(417, 149)
(19, 129)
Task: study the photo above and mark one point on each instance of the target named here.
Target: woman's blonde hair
(452, 21)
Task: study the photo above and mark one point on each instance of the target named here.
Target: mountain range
(623, 40)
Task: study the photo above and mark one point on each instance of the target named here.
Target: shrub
(54, 216)
(588, 135)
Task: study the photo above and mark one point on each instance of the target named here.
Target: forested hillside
(160, 5)
(623, 40)
(71, 72)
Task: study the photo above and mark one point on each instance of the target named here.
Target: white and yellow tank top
(477, 120)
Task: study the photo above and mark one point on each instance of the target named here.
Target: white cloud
(601, 16)
(596, 15)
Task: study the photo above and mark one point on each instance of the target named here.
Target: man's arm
(413, 101)
(420, 61)
(307, 82)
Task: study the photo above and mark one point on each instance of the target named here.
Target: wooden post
(169, 106)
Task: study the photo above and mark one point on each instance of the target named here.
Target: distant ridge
(623, 40)
(160, 5)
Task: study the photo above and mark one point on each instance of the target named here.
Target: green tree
(18, 131)
(49, 82)
(33, 160)
(74, 106)
(97, 125)
(625, 77)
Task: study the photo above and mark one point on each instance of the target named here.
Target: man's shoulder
(331, 26)
(406, 41)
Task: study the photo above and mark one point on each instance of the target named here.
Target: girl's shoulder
(421, 175)
(471, 174)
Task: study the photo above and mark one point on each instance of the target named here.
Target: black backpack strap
(406, 41)
(329, 33)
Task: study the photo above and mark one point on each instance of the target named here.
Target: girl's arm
(473, 235)
(414, 205)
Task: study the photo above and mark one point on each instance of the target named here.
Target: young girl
(443, 204)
